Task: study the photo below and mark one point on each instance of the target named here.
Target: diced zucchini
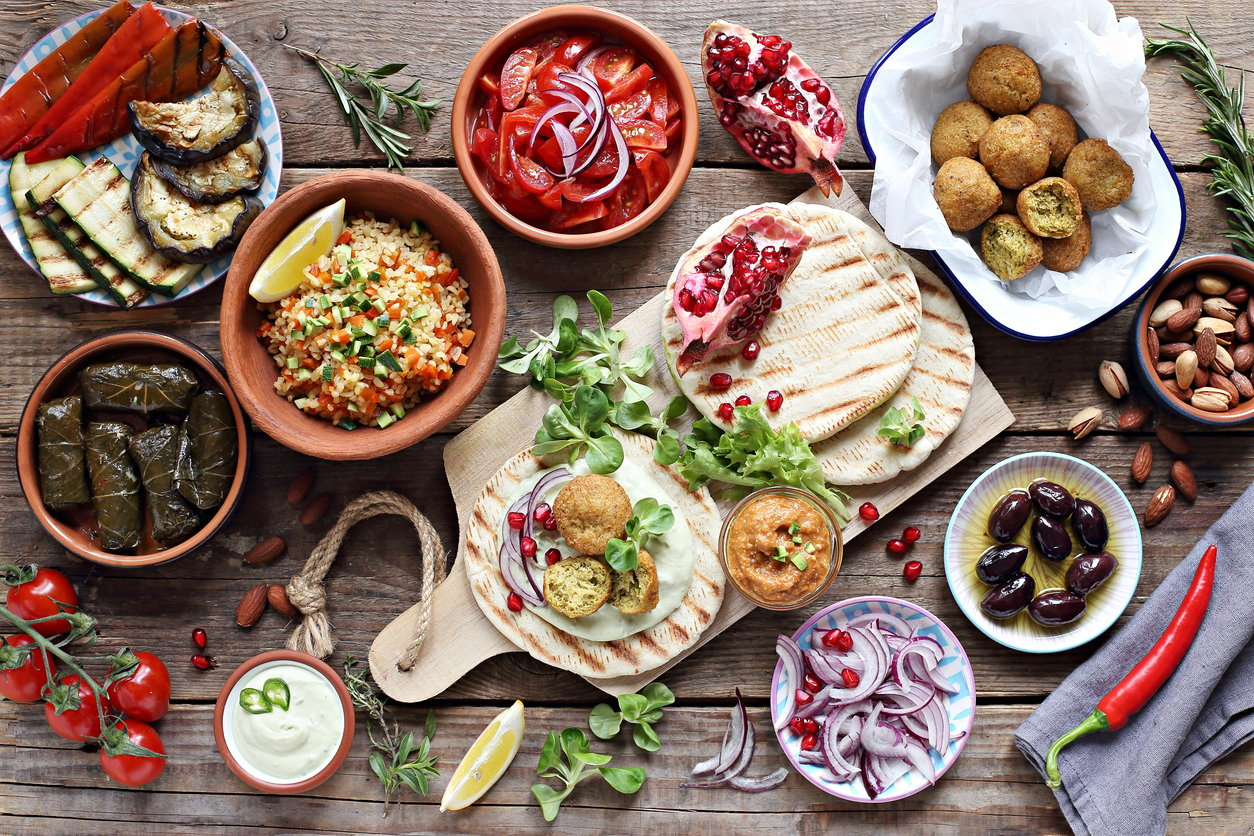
(384, 420)
(63, 272)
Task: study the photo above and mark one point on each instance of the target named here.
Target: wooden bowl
(619, 28)
(388, 195)
(78, 534)
(1240, 271)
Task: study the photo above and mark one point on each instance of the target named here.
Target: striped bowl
(967, 539)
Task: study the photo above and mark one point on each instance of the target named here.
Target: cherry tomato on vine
(134, 770)
(25, 682)
(144, 692)
(39, 597)
(79, 723)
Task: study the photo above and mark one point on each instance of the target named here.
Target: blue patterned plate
(125, 150)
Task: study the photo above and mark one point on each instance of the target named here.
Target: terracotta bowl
(619, 28)
(1239, 271)
(77, 533)
(224, 698)
(387, 195)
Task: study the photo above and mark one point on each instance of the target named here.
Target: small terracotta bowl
(224, 701)
(1241, 272)
(387, 195)
(77, 533)
(616, 27)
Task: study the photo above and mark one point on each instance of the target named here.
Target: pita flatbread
(842, 341)
(636, 653)
(941, 379)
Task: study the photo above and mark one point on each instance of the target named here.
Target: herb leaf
(572, 744)
(649, 518)
(902, 426)
(640, 710)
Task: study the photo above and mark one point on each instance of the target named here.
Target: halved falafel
(1066, 254)
(590, 511)
(1015, 151)
(1009, 249)
(1099, 174)
(636, 591)
(1050, 208)
(958, 130)
(1004, 79)
(966, 195)
(577, 586)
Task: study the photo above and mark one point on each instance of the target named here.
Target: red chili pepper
(1144, 681)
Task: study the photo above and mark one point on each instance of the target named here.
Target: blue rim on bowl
(970, 519)
(957, 283)
(955, 666)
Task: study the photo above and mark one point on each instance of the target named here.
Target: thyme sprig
(372, 119)
(1233, 175)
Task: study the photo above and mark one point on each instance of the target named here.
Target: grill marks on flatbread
(941, 379)
(842, 342)
(634, 654)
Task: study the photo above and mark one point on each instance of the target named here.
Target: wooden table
(47, 785)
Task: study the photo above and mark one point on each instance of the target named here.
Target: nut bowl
(1239, 273)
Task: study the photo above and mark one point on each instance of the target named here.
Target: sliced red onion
(516, 570)
(585, 60)
(737, 735)
(812, 756)
(790, 655)
(766, 782)
(885, 621)
(727, 768)
(624, 163)
(816, 705)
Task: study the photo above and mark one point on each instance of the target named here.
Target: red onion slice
(624, 163)
(790, 656)
(585, 60)
(736, 753)
(766, 782)
(884, 620)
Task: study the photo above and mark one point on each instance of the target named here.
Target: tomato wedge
(659, 100)
(490, 84)
(577, 214)
(578, 191)
(625, 202)
(632, 108)
(515, 125)
(634, 83)
(605, 164)
(612, 67)
(655, 171)
(673, 129)
(516, 74)
(547, 44)
(531, 175)
(575, 46)
(546, 77)
(521, 203)
(553, 197)
(641, 133)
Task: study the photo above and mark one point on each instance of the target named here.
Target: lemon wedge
(489, 756)
(284, 268)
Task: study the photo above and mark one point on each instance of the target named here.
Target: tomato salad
(573, 133)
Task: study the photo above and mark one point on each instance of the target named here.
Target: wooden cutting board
(463, 637)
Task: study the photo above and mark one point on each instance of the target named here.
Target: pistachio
(1205, 348)
(1163, 312)
(1224, 362)
(1186, 369)
(1084, 422)
(1210, 399)
(1113, 379)
(1222, 327)
(1220, 308)
(1213, 284)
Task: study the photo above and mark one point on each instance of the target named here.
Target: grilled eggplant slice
(196, 130)
(183, 229)
(216, 181)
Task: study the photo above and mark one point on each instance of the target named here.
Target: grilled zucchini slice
(63, 273)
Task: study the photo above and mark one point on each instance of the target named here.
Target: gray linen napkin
(1121, 782)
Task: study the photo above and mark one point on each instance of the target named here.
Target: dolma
(114, 485)
(62, 467)
(145, 388)
(155, 453)
(208, 450)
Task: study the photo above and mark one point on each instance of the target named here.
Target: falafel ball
(958, 130)
(1009, 249)
(1015, 151)
(1004, 79)
(1050, 208)
(1059, 130)
(1065, 254)
(1099, 174)
(966, 195)
(591, 510)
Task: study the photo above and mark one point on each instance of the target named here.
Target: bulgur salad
(375, 324)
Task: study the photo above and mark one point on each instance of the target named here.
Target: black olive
(1051, 538)
(1090, 526)
(1090, 571)
(1051, 498)
(1009, 598)
(1009, 515)
(1056, 606)
(1001, 563)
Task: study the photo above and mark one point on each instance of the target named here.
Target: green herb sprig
(1233, 175)
(903, 427)
(566, 756)
(641, 711)
(372, 118)
(394, 758)
(649, 518)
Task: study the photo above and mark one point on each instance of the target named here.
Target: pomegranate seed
(720, 381)
(552, 556)
(803, 697)
(812, 726)
(542, 512)
(527, 546)
(809, 742)
(850, 678)
(744, 400)
(868, 512)
(550, 524)
(838, 639)
(200, 638)
(813, 685)
(912, 570)
(203, 662)
(725, 411)
(751, 350)
(514, 602)
(516, 520)
(897, 546)
(911, 534)
(797, 725)
(774, 400)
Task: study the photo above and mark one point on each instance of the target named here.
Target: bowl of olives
(1043, 552)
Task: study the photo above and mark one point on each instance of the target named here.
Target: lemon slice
(489, 756)
(284, 268)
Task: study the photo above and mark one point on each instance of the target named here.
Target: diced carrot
(357, 320)
(394, 310)
(431, 258)
(345, 237)
(309, 363)
(412, 355)
(462, 360)
(466, 337)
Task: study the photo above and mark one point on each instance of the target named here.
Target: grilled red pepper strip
(137, 35)
(183, 62)
(31, 95)
(1144, 680)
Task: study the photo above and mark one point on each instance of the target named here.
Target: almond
(1184, 480)
(316, 509)
(1218, 381)
(1084, 422)
(1135, 418)
(280, 603)
(1193, 301)
(1205, 348)
(1186, 369)
(1180, 288)
(1173, 389)
(1159, 505)
(1152, 343)
(265, 551)
(1210, 399)
(1245, 388)
(1220, 308)
(1170, 351)
(1113, 379)
(1142, 462)
(1224, 362)
(1184, 319)
(1243, 357)
(1212, 284)
(299, 487)
(1163, 311)
(1242, 329)
(251, 606)
(1172, 440)
(1201, 378)
(1239, 295)
(1165, 369)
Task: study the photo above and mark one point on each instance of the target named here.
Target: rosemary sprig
(390, 756)
(371, 119)
(1233, 175)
